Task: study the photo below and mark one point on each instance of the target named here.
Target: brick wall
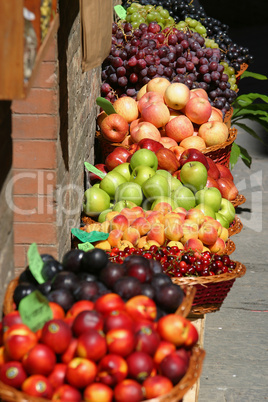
(53, 134)
(6, 216)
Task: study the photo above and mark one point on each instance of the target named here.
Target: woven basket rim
(231, 138)
(239, 200)
(10, 394)
(236, 227)
(238, 272)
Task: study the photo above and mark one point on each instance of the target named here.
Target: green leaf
(120, 11)
(91, 237)
(258, 119)
(249, 131)
(34, 310)
(247, 74)
(106, 105)
(35, 263)
(235, 153)
(247, 99)
(246, 158)
(93, 169)
(85, 246)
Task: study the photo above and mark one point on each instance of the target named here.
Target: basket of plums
(113, 329)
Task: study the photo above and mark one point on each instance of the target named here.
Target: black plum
(22, 290)
(72, 260)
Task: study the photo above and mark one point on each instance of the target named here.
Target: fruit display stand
(221, 153)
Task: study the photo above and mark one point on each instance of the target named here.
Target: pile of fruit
(113, 333)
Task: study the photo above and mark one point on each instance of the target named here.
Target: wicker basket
(228, 117)
(235, 227)
(239, 200)
(221, 153)
(211, 290)
(10, 394)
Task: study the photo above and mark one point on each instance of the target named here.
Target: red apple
(41, 359)
(120, 341)
(128, 390)
(158, 84)
(91, 345)
(57, 335)
(127, 107)
(227, 188)
(140, 365)
(191, 339)
(148, 98)
(212, 182)
(141, 307)
(57, 311)
(213, 171)
(67, 393)
(192, 154)
(156, 386)
(216, 115)
(150, 144)
(179, 128)
(93, 178)
(116, 157)
(118, 319)
(57, 375)
(9, 319)
(147, 340)
(109, 302)
(4, 358)
(168, 142)
(37, 385)
(18, 340)
(81, 372)
(198, 110)
(164, 348)
(173, 328)
(173, 367)
(12, 374)
(98, 392)
(156, 113)
(89, 319)
(167, 160)
(199, 92)
(177, 95)
(112, 369)
(145, 129)
(114, 127)
(213, 132)
(225, 172)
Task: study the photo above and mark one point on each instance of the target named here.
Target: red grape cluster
(138, 55)
(178, 263)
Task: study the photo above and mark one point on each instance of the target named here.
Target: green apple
(223, 221)
(155, 187)
(95, 201)
(118, 206)
(227, 210)
(174, 183)
(124, 170)
(194, 175)
(102, 215)
(97, 184)
(169, 200)
(207, 210)
(183, 197)
(144, 157)
(141, 173)
(111, 181)
(129, 192)
(210, 196)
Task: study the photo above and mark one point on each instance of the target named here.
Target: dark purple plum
(140, 271)
(45, 288)
(50, 269)
(85, 276)
(62, 297)
(127, 287)
(134, 259)
(155, 266)
(27, 276)
(86, 290)
(65, 280)
(169, 297)
(72, 260)
(22, 289)
(111, 273)
(147, 290)
(94, 261)
(159, 280)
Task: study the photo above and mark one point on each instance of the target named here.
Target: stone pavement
(236, 337)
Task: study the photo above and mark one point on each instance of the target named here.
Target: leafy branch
(246, 107)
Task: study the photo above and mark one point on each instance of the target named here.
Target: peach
(115, 236)
(154, 217)
(142, 224)
(133, 213)
(57, 335)
(218, 246)
(193, 244)
(81, 372)
(150, 243)
(195, 215)
(141, 307)
(105, 227)
(193, 142)
(163, 207)
(110, 215)
(98, 392)
(120, 222)
(224, 234)
(173, 229)
(18, 340)
(180, 210)
(178, 244)
(207, 233)
(190, 231)
(93, 227)
(142, 241)
(157, 233)
(131, 234)
(214, 223)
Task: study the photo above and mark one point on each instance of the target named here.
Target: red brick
(34, 127)
(33, 182)
(52, 51)
(27, 233)
(40, 209)
(38, 101)
(20, 256)
(34, 154)
(53, 250)
(47, 76)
